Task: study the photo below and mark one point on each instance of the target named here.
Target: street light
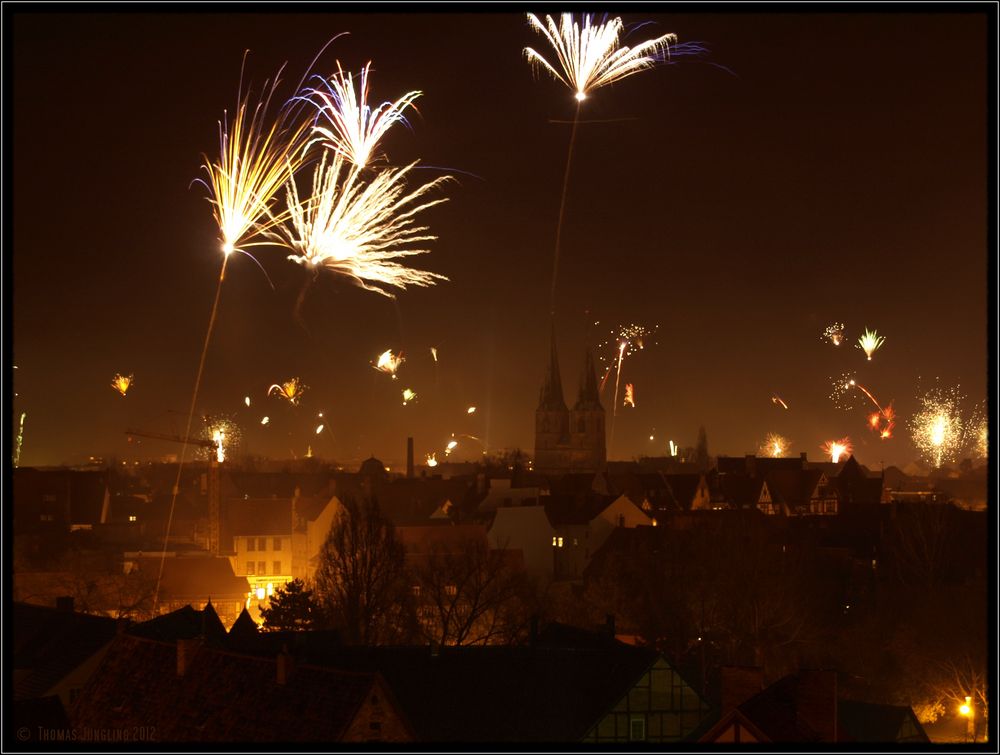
(967, 711)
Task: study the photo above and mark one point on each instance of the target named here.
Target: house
(804, 708)
(528, 529)
(502, 494)
(190, 692)
(59, 500)
(195, 579)
(605, 693)
(183, 624)
(55, 650)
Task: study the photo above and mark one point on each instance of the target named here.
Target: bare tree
(472, 596)
(919, 541)
(360, 580)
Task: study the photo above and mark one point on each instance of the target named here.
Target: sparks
(20, 438)
(869, 342)
(431, 460)
(450, 447)
(778, 401)
(408, 396)
(358, 229)
(246, 400)
(319, 429)
(434, 353)
(355, 128)
(265, 420)
(588, 54)
(629, 395)
(389, 363)
(774, 446)
(291, 390)
(937, 429)
(121, 383)
(837, 448)
(471, 410)
(834, 333)
(224, 433)
(255, 160)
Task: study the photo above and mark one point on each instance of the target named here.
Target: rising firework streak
(778, 401)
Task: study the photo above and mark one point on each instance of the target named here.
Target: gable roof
(257, 516)
(874, 722)
(223, 696)
(196, 578)
(183, 624)
(49, 643)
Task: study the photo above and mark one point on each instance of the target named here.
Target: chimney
(751, 465)
(609, 623)
(739, 684)
(65, 603)
(186, 651)
(802, 456)
(817, 702)
(409, 458)
(285, 665)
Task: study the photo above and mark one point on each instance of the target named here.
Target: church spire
(551, 396)
(589, 396)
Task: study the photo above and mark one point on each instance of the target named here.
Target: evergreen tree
(292, 607)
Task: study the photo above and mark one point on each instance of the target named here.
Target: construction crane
(214, 489)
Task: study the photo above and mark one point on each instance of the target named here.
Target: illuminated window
(262, 543)
(251, 543)
(560, 542)
(575, 542)
(416, 591)
(554, 539)
(47, 518)
(277, 567)
(277, 543)
(260, 593)
(450, 590)
(261, 567)
(250, 566)
(132, 517)
(270, 589)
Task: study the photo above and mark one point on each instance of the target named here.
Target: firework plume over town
(438, 244)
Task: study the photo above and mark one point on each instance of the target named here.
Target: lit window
(261, 568)
(270, 589)
(450, 590)
(416, 591)
(277, 543)
(262, 543)
(277, 567)
(251, 544)
(575, 542)
(554, 539)
(250, 566)
(132, 517)
(260, 593)
(560, 542)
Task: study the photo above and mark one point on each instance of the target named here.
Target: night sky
(807, 169)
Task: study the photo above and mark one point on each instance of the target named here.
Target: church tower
(551, 418)
(586, 422)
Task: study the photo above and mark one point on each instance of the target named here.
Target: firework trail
(290, 390)
(778, 401)
(588, 56)
(937, 429)
(121, 383)
(255, 159)
(20, 439)
(625, 340)
(434, 353)
(355, 127)
(834, 333)
(837, 448)
(358, 228)
(408, 396)
(774, 446)
(265, 420)
(629, 395)
(246, 400)
(471, 410)
(869, 342)
(389, 363)
(319, 429)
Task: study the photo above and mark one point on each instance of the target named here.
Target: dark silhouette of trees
(473, 596)
(360, 581)
(292, 607)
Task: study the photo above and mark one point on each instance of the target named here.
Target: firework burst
(431, 460)
(835, 449)
(389, 363)
(778, 401)
(937, 429)
(774, 446)
(869, 342)
(225, 433)
(290, 390)
(978, 433)
(629, 395)
(355, 128)
(359, 229)
(121, 383)
(588, 55)
(408, 396)
(834, 333)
